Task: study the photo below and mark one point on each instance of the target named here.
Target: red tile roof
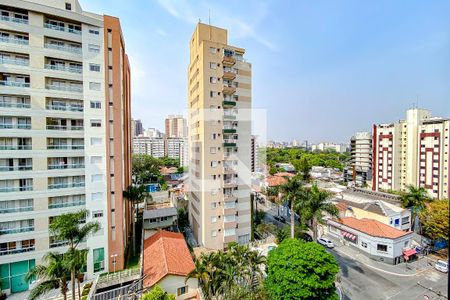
(373, 227)
(165, 253)
(284, 174)
(275, 180)
(341, 206)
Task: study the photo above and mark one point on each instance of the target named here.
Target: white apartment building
(177, 148)
(359, 169)
(219, 119)
(414, 152)
(151, 146)
(64, 133)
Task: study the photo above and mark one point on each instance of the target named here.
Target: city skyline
(386, 54)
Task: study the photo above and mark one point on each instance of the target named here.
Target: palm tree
(201, 273)
(415, 199)
(316, 204)
(66, 227)
(292, 194)
(136, 194)
(53, 275)
(76, 260)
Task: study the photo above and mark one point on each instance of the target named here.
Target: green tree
(304, 168)
(136, 194)
(317, 203)
(145, 168)
(415, 199)
(434, 219)
(53, 275)
(157, 293)
(299, 270)
(265, 229)
(68, 227)
(183, 220)
(292, 194)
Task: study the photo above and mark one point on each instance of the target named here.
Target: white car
(326, 242)
(441, 265)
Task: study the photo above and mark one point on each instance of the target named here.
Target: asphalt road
(361, 282)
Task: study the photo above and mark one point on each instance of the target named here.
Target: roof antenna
(209, 22)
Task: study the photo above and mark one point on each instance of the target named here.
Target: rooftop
(165, 253)
(377, 207)
(372, 227)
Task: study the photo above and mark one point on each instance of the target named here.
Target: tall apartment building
(414, 152)
(138, 128)
(359, 169)
(175, 127)
(151, 146)
(219, 101)
(176, 148)
(65, 141)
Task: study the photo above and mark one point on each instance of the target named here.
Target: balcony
(65, 147)
(228, 89)
(68, 107)
(23, 20)
(66, 204)
(229, 170)
(14, 83)
(65, 87)
(65, 166)
(228, 183)
(227, 103)
(14, 61)
(228, 60)
(70, 49)
(16, 230)
(15, 209)
(229, 143)
(229, 197)
(229, 74)
(64, 68)
(14, 126)
(229, 129)
(65, 185)
(64, 127)
(15, 168)
(13, 40)
(16, 251)
(16, 189)
(15, 147)
(14, 105)
(62, 28)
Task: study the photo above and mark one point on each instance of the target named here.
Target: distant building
(339, 148)
(160, 213)
(138, 128)
(177, 148)
(359, 169)
(415, 151)
(153, 133)
(254, 153)
(176, 127)
(150, 146)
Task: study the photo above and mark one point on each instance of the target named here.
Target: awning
(409, 252)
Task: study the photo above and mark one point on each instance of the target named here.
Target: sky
(322, 70)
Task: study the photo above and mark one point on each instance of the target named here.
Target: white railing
(64, 68)
(15, 147)
(14, 83)
(229, 204)
(62, 28)
(65, 166)
(64, 127)
(14, 19)
(16, 168)
(68, 88)
(13, 40)
(15, 209)
(15, 126)
(16, 189)
(65, 107)
(14, 105)
(71, 49)
(16, 230)
(65, 147)
(66, 204)
(14, 61)
(65, 185)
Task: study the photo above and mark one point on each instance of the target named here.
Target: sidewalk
(410, 269)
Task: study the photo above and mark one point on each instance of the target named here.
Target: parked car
(306, 237)
(441, 265)
(325, 242)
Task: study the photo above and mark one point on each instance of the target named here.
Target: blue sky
(321, 69)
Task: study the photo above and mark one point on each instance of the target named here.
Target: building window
(68, 6)
(213, 164)
(96, 141)
(382, 248)
(94, 86)
(213, 219)
(94, 30)
(97, 214)
(182, 290)
(212, 150)
(213, 233)
(97, 178)
(99, 259)
(93, 48)
(96, 123)
(213, 79)
(212, 65)
(212, 50)
(364, 244)
(94, 67)
(96, 104)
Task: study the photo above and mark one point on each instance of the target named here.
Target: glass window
(93, 48)
(95, 86)
(96, 104)
(99, 259)
(381, 247)
(94, 67)
(182, 290)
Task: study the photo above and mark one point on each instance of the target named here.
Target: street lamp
(113, 256)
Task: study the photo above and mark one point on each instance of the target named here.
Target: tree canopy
(157, 293)
(300, 270)
(435, 219)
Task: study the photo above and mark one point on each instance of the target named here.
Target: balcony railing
(13, 40)
(55, 244)
(66, 204)
(14, 19)
(77, 50)
(62, 28)
(15, 209)
(65, 107)
(64, 127)
(67, 88)
(65, 147)
(16, 168)
(14, 61)
(64, 68)
(15, 126)
(16, 251)
(229, 204)
(14, 105)
(14, 83)
(16, 230)
(229, 143)
(65, 166)
(65, 185)
(16, 189)
(15, 147)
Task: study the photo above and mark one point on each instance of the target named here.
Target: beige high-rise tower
(219, 101)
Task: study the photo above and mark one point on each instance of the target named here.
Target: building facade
(176, 127)
(219, 119)
(65, 134)
(414, 152)
(177, 148)
(359, 169)
(151, 146)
